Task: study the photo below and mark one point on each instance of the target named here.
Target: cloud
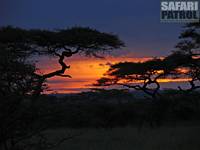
(58, 81)
(102, 65)
(68, 90)
(106, 64)
(91, 66)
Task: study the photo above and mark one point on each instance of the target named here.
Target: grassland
(185, 137)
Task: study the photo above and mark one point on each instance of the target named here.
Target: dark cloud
(91, 66)
(106, 64)
(60, 90)
(58, 81)
(102, 65)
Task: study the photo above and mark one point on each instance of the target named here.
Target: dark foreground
(128, 138)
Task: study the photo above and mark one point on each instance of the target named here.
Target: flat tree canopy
(58, 43)
(86, 40)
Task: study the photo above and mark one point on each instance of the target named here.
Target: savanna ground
(181, 137)
(100, 124)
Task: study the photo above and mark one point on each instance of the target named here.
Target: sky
(86, 71)
(136, 22)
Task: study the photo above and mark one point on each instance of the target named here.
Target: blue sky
(137, 22)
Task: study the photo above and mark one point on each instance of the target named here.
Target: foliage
(190, 47)
(146, 73)
(145, 76)
(22, 115)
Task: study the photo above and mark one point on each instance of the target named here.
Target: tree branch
(192, 88)
(60, 72)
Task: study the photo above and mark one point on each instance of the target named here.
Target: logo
(179, 11)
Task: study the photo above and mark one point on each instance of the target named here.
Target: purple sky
(137, 22)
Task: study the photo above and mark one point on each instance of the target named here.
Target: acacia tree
(136, 75)
(182, 63)
(20, 84)
(143, 76)
(189, 46)
(61, 43)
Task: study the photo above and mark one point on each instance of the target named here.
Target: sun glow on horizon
(84, 72)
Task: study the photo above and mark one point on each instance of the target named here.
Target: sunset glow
(84, 72)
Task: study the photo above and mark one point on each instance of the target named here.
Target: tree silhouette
(17, 83)
(190, 47)
(142, 76)
(21, 114)
(61, 43)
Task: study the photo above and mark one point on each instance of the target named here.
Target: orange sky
(84, 72)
